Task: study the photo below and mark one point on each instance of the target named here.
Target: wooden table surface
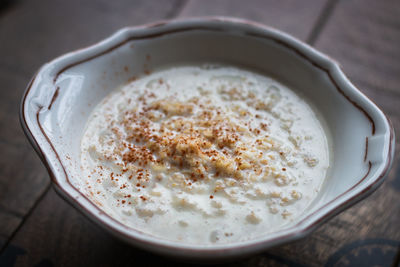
(38, 228)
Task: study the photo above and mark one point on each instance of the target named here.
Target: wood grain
(364, 38)
(60, 26)
(38, 31)
(22, 176)
(362, 35)
(295, 17)
(9, 222)
(59, 235)
(31, 33)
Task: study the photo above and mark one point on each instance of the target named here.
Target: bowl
(60, 97)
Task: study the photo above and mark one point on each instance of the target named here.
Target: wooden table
(38, 228)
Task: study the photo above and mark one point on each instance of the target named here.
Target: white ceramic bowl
(63, 93)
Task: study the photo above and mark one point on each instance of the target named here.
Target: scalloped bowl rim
(59, 177)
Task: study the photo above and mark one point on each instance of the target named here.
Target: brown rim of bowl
(256, 244)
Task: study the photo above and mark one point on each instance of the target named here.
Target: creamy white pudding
(204, 154)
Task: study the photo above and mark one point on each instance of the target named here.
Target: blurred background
(37, 228)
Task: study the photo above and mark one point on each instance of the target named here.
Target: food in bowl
(204, 154)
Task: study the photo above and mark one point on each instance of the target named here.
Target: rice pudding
(203, 154)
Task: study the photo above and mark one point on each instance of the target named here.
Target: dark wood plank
(23, 179)
(12, 86)
(57, 234)
(295, 17)
(43, 238)
(364, 37)
(368, 232)
(37, 31)
(31, 33)
(9, 222)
